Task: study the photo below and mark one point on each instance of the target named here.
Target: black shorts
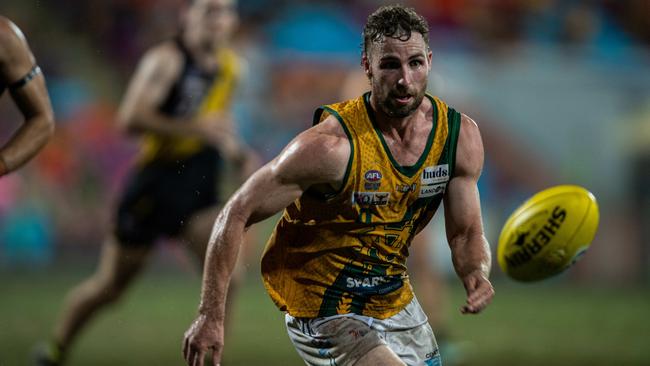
(160, 197)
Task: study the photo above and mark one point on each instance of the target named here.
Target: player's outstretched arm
(18, 71)
(469, 247)
(316, 157)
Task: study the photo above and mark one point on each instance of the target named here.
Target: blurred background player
(20, 74)
(178, 102)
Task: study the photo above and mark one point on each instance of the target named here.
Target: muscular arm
(317, 156)
(152, 81)
(314, 157)
(469, 247)
(16, 61)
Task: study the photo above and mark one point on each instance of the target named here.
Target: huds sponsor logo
(530, 245)
(435, 174)
(370, 198)
(372, 176)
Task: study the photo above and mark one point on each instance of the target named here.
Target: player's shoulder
(239, 63)
(6, 26)
(324, 136)
(233, 62)
(4, 23)
(322, 150)
(469, 152)
(13, 45)
(165, 58)
(10, 34)
(231, 53)
(164, 51)
(469, 129)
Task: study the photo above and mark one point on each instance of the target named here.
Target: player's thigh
(380, 356)
(197, 231)
(334, 340)
(119, 263)
(414, 346)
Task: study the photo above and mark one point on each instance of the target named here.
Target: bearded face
(398, 70)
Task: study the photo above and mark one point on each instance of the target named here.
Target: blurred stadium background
(560, 89)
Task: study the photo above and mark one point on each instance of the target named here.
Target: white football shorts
(341, 340)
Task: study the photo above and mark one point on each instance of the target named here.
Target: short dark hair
(395, 21)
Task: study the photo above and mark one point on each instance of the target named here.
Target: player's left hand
(479, 292)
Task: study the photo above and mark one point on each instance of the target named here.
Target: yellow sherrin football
(548, 233)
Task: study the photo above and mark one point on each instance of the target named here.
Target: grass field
(532, 325)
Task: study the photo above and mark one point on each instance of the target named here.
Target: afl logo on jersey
(373, 180)
(372, 176)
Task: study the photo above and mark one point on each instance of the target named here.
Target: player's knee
(110, 290)
(111, 294)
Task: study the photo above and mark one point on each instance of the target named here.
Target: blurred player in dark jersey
(21, 76)
(178, 101)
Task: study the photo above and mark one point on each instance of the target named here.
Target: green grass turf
(539, 324)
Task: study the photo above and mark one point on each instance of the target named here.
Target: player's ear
(429, 57)
(365, 63)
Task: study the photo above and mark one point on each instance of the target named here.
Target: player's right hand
(203, 335)
(218, 130)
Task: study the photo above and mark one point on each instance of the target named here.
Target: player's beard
(395, 110)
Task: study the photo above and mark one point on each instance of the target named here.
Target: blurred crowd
(299, 55)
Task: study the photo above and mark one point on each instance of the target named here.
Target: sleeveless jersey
(194, 93)
(347, 253)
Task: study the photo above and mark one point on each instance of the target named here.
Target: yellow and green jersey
(195, 93)
(346, 253)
